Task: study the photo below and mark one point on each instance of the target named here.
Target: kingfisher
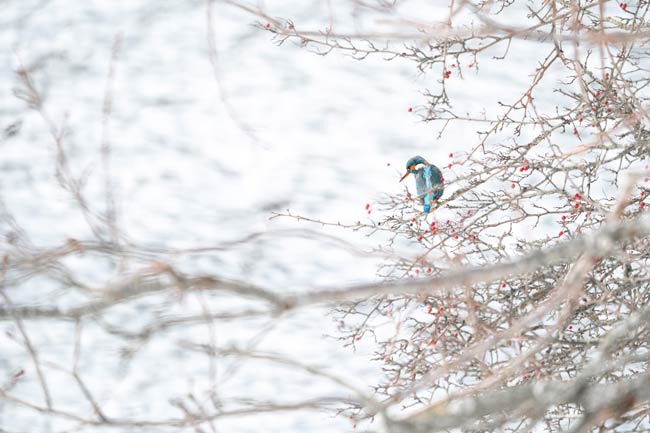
(428, 181)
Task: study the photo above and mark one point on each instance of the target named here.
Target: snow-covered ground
(326, 135)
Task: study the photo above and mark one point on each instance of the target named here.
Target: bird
(428, 181)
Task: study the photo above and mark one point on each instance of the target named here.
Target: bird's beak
(404, 177)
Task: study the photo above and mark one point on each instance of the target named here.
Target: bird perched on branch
(428, 181)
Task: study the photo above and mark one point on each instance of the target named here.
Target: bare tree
(526, 306)
(501, 348)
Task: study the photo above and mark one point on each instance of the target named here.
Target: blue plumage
(428, 181)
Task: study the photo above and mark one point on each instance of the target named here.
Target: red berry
(429, 309)
(413, 219)
(433, 341)
(367, 206)
(442, 180)
(420, 238)
(433, 224)
(428, 272)
(561, 233)
(580, 120)
(563, 217)
(597, 94)
(623, 6)
(388, 164)
(642, 204)
(512, 186)
(451, 155)
(449, 166)
(575, 132)
(369, 212)
(455, 334)
(577, 205)
(570, 327)
(268, 26)
(456, 237)
(410, 109)
(503, 286)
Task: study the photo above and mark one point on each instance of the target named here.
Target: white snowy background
(332, 134)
